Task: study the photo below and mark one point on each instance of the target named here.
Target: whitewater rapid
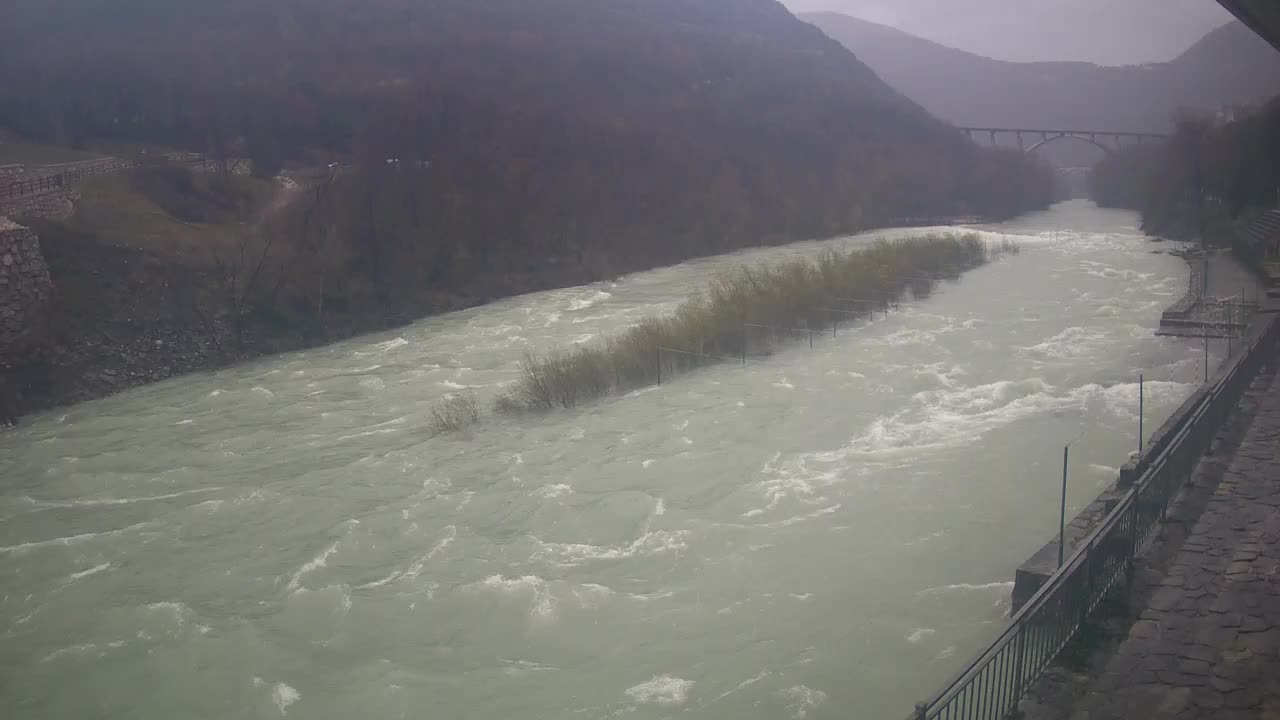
(822, 533)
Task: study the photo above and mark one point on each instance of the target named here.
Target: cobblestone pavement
(1208, 644)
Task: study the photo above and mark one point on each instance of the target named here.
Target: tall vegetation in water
(797, 293)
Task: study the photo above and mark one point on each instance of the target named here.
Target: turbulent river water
(823, 533)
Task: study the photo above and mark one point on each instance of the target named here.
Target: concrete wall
(25, 290)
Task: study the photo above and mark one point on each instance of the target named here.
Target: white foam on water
(584, 303)
(284, 696)
(450, 534)
(798, 478)
(544, 603)
(553, 491)
(953, 418)
(945, 653)
(591, 595)
(69, 540)
(746, 684)
(663, 690)
(1122, 400)
(968, 587)
(1104, 470)
(78, 650)
(314, 563)
(660, 508)
(87, 573)
(800, 700)
(915, 637)
(96, 502)
(391, 344)
(262, 392)
(1074, 343)
(653, 543)
(1109, 272)
(524, 667)
(394, 576)
(367, 433)
(797, 519)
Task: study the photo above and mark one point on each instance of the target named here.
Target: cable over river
(823, 533)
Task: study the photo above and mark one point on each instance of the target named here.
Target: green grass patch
(25, 153)
(793, 294)
(117, 210)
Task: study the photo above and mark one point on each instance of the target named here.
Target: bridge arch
(1107, 149)
(1097, 138)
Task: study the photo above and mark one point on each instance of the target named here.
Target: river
(822, 533)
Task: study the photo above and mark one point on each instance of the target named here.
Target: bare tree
(241, 275)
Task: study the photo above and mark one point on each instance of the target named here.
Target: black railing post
(1062, 517)
(921, 710)
(1141, 403)
(1023, 676)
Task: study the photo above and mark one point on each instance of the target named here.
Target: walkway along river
(823, 533)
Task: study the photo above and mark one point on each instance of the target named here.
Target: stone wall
(53, 205)
(25, 290)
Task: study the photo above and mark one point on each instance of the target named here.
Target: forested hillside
(668, 123)
(1233, 166)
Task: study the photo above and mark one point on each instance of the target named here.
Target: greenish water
(824, 533)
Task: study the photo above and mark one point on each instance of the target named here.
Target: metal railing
(51, 181)
(992, 684)
(51, 178)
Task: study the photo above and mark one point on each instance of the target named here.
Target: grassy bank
(801, 293)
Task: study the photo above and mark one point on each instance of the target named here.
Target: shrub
(455, 412)
(795, 293)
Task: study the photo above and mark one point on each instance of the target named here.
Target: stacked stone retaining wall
(25, 289)
(25, 292)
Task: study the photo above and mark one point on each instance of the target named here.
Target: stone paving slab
(1208, 643)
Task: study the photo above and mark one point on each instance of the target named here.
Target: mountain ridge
(1228, 65)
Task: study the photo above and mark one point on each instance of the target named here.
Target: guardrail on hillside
(992, 684)
(51, 178)
(50, 182)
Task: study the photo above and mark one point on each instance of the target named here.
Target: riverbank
(128, 313)
(120, 318)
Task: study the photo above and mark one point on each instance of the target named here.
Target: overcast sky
(1108, 32)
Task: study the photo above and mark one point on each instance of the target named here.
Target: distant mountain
(1106, 32)
(1228, 66)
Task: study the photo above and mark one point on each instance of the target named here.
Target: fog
(1100, 31)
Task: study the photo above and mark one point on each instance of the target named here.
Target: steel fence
(992, 684)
